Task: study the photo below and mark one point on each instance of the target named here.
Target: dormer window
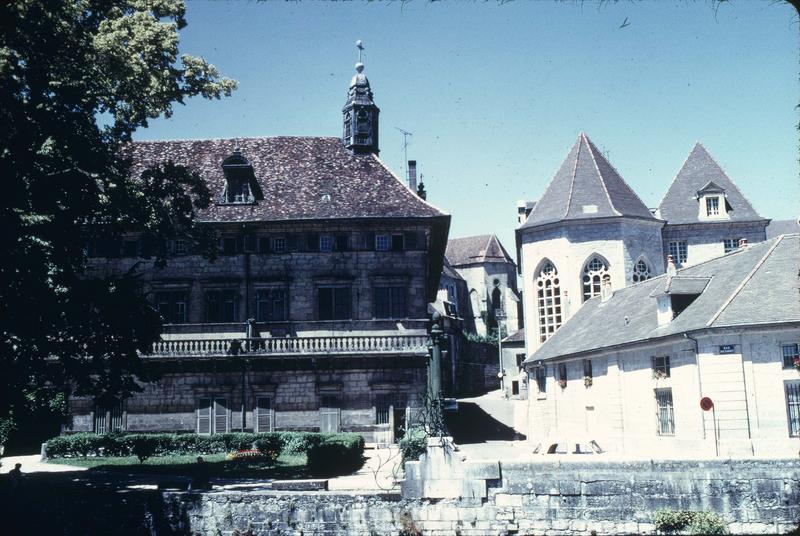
(713, 204)
(241, 186)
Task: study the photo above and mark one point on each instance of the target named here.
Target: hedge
(336, 454)
(124, 444)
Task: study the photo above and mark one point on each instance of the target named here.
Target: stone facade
(706, 241)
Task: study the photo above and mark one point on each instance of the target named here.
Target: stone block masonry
(752, 496)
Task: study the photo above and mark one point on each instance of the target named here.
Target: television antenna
(405, 134)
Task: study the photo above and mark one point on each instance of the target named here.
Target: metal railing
(362, 344)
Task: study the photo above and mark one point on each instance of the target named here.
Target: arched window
(475, 302)
(593, 273)
(641, 272)
(548, 299)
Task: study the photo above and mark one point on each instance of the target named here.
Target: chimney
(412, 175)
(742, 243)
(671, 270)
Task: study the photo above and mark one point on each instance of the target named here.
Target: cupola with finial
(360, 115)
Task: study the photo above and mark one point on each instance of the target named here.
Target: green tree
(77, 79)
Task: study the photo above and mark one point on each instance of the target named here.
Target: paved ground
(379, 474)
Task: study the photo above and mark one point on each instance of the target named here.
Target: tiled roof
(449, 271)
(476, 249)
(779, 227)
(756, 285)
(301, 178)
(679, 204)
(586, 186)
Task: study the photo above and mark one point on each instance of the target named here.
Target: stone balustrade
(363, 344)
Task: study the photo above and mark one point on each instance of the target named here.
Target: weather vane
(360, 47)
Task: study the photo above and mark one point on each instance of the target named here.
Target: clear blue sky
(496, 94)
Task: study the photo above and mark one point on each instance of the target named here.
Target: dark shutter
(411, 240)
(325, 301)
(264, 414)
(312, 242)
(397, 242)
(382, 302)
(398, 302)
(263, 244)
(369, 240)
(342, 242)
(342, 303)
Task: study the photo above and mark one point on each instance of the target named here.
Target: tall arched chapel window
(641, 272)
(593, 273)
(548, 300)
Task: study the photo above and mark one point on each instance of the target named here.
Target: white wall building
(630, 368)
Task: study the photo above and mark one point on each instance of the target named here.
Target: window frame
(278, 244)
(383, 242)
(169, 297)
(680, 252)
(712, 206)
(660, 366)
(326, 243)
(335, 302)
(793, 356)
(641, 274)
(221, 317)
(791, 389)
(395, 305)
(272, 299)
(594, 273)
(729, 245)
(548, 300)
(664, 428)
(257, 414)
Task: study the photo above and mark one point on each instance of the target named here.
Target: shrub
(676, 521)
(413, 444)
(336, 454)
(270, 446)
(245, 455)
(298, 442)
(143, 446)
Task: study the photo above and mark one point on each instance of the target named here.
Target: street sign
(706, 403)
(727, 349)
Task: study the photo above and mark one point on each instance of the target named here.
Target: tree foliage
(77, 79)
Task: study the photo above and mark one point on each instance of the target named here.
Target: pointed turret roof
(586, 186)
(679, 204)
(476, 249)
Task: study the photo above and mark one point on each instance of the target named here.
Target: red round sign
(706, 403)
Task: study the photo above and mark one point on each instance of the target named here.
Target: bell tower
(360, 115)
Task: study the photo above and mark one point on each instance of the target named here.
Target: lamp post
(500, 316)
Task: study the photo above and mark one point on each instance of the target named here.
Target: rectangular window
(541, 379)
(239, 192)
(793, 407)
(665, 413)
(397, 242)
(342, 242)
(514, 388)
(382, 242)
(520, 360)
(249, 243)
(562, 374)
(587, 368)
(730, 244)
(334, 303)
(325, 242)
(212, 416)
(390, 302)
(279, 244)
(790, 355)
(660, 367)
(171, 305)
(221, 306)
(383, 406)
(108, 418)
(678, 250)
(263, 417)
(712, 206)
(181, 247)
(271, 305)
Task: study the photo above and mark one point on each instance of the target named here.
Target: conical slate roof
(476, 249)
(586, 186)
(679, 204)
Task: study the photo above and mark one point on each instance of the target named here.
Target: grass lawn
(287, 466)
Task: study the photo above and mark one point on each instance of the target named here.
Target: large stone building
(630, 368)
(589, 231)
(314, 317)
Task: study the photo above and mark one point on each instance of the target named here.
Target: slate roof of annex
(779, 227)
(586, 179)
(294, 173)
(756, 285)
(476, 249)
(680, 204)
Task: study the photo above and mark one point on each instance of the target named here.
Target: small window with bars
(791, 358)
(660, 365)
(263, 416)
(212, 416)
(108, 417)
(382, 242)
(793, 407)
(665, 412)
